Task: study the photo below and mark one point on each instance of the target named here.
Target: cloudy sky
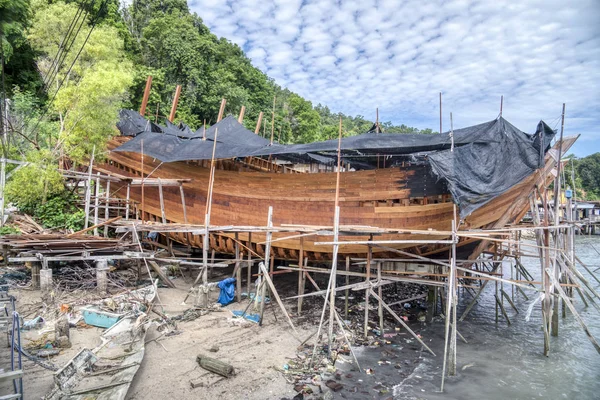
(357, 55)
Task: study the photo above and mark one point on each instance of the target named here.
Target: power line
(95, 21)
(60, 61)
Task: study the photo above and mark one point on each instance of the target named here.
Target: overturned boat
(394, 185)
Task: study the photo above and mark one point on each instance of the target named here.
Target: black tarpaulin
(479, 171)
(487, 159)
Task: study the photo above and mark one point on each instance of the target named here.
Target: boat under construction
(400, 187)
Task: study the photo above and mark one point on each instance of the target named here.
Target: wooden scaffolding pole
(301, 279)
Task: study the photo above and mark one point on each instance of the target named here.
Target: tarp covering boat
(487, 158)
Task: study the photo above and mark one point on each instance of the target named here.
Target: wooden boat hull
(403, 198)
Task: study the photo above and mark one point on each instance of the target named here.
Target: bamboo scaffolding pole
(88, 190)
(574, 312)
(376, 296)
(96, 203)
(339, 321)
(266, 259)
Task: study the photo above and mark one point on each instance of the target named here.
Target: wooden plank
(164, 278)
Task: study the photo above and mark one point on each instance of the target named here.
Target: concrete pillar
(46, 280)
(35, 274)
(102, 275)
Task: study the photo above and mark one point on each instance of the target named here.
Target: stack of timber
(59, 244)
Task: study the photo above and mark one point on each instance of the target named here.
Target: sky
(357, 56)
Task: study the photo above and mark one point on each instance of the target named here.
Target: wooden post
(221, 111)
(175, 101)
(347, 290)
(97, 192)
(249, 271)
(267, 257)
(260, 117)
(241, 116)
(379, 293)
(450, 340)
(557, 233)
(238, 269)
(185, 221)
(273, 120)
(143, 179)
(300, 275)
(146, 95)
(162, 202)
(333, 276)
(2, 183)
(501, 104)
(88, 191)
(368, 289)
(127, 201)
(107, 198)
(440, 112)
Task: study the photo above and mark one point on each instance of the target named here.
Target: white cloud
(355, 56)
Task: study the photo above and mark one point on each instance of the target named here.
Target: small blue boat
(109, 311)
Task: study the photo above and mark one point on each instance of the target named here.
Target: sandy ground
(170, 362)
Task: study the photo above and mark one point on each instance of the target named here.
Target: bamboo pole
(574, 312)
(88, 191)
(300, 275)
(238, 269)
(184, 209)
(401, 321)
(367, 291)
(107, 197)
(127, 201)
(142, 173)
(249, 270)
(266, 259)
(273, 121)
(347, 291)
(96, 200)
(162, 202)
(380, 294)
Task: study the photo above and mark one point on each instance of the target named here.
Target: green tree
(93, 91)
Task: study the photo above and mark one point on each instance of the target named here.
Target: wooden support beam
(301, 280)
(163, 277)
(238, 269)
(267, 278)
(221, 111)
(401, 321)
(146, 95)
(184, 209)
(249, 271)
(96, 200)
(127, 201)
(162, 202)
(258, 122)
(175, 102)
(241, 116)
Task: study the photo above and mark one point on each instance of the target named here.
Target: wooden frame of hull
(383, 198)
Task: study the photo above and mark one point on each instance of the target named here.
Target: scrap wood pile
(26, 224)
